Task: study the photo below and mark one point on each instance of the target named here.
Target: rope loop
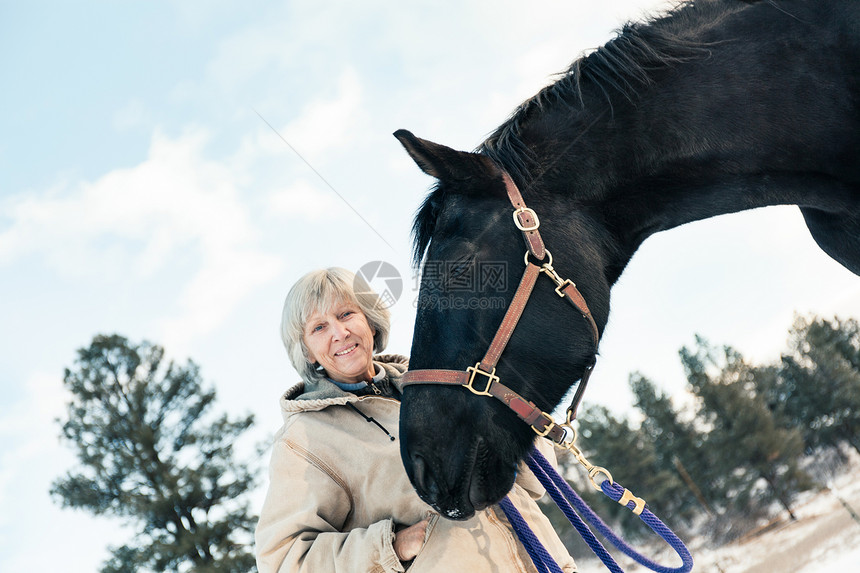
(572, 505)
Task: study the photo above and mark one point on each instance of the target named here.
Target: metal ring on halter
(526, 258)
(594, 471)
(568, 438)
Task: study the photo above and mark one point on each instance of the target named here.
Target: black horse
(717, 107)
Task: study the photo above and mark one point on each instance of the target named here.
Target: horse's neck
(638, 188)
(715, 135)
(644, 207)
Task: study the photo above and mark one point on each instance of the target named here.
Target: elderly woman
(339, 499)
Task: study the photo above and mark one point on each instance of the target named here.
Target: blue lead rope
(568, 500)
(540, 556)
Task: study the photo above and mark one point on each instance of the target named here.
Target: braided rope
(567, 507)
(540, 556)
(567, 499)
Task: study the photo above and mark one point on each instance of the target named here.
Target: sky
(168, 169)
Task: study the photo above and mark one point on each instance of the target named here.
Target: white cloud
(44, 401)
(213, 293)
(265, 47)
(305, 201)
(28, 431)
(324, 125)
(331, 123)
(136, 221)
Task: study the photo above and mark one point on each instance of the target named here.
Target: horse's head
(461, 450)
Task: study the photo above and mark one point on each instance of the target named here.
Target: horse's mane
(621, 67)
(423, 224)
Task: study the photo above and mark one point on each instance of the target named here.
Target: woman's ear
(311, 359)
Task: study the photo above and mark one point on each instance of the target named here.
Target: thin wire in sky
(323, 179)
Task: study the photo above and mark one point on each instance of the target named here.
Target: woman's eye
(347, 314)
(317, 328)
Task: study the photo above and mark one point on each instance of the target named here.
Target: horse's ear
(442, 162)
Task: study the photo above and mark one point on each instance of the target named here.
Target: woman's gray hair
(318, 291)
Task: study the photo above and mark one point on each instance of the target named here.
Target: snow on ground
(824, 539)
(847, 562)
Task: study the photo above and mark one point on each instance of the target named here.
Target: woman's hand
(409, 541)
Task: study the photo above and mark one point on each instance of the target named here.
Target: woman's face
(341, 341)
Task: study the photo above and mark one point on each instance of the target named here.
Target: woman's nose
(339, 331)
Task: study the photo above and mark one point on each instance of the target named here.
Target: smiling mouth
(346, 351)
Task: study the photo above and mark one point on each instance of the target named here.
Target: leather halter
(528, 223)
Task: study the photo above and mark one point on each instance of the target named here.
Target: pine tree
(820, 382)
(632, 460)
(745, 435)
(148, 455)
(678, 446)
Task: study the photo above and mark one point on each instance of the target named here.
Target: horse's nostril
(423, 477)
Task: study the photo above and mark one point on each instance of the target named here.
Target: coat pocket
(428, 539)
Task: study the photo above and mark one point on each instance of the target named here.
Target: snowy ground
(824, 539)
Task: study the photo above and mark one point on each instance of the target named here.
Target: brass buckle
(638, 501)
(491, 377)
(562, 286)
(550, 271)
(593, 471)
(520, 225)
(548, 427)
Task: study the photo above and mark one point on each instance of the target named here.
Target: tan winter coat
(338, 490)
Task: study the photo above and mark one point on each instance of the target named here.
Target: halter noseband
(542, 423)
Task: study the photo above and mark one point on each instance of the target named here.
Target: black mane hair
(424, 223)
(621, 67)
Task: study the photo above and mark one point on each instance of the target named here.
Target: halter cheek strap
(481, 378)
